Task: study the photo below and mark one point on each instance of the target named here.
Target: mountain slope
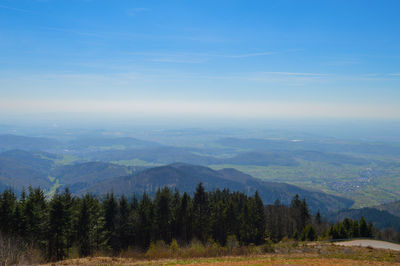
(185, 177)
(80, 175)
(392, 207)
(20, 169)
(381, 219)
(88, 172)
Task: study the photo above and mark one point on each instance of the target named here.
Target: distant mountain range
(322, 146)
(15, 142)
(168, 155)
(20, 169)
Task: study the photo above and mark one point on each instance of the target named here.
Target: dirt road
(370, 243)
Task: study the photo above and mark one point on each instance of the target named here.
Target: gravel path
(370, 243)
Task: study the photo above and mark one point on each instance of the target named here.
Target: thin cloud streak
(194, 58)
(16, 9)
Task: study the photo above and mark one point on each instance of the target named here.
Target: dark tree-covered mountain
(184, 177)
(20, 169)
(391, 207)
(83, 174)
(380, 219)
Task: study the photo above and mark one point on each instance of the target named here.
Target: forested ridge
(89, 225)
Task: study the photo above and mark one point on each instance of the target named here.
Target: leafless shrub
(14, 251)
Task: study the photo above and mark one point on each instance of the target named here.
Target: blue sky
(256, 59)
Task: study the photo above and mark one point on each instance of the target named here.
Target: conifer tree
(364, 232)
(163, 215)
(110, 206)
(57, 228)
(184, 219)
(36, 217)
(84, 227)
(201, 214)
(146, 216)
(259, 219)
(123, 227)
(7, 209)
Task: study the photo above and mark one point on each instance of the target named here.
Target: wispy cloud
(16, 9)
(248, 55)
(184, 57)
(296, 74)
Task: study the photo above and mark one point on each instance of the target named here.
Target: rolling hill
(185, 177)
(15, 142)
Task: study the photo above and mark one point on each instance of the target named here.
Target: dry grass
(294, 253)
(304, 259)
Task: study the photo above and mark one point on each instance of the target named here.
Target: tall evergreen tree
(84, 227)
(184, 219)
(58, 228)
(123, 227)
(110, 207)
(146, 219)
(163, 215)
(7, 209)
(201, 214)
(259, 219)
(36, 215)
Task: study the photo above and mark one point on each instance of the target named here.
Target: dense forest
(112, 224)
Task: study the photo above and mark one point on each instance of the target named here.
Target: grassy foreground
(314, 253)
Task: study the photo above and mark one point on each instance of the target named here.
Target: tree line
(349, 228)
(113, 224)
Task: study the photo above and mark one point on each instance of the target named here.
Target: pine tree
(318, 219)
(146, 219)
(259, 219)
(201, 214)
(110, 206)
(163, 215)
(7, 208)
(184, 219)
(355, 229)
(217, 220)
(84, 227)
(364, 232)
(71, 217)
(123, 224)
(36, 215)
(57, 228)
